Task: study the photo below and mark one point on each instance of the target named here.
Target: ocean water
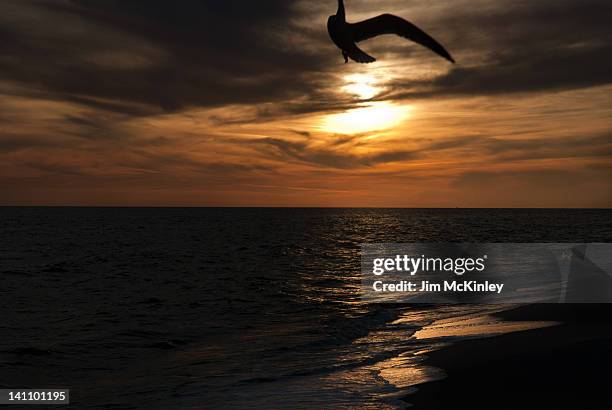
(234, 308)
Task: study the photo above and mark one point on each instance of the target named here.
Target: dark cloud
(560, 69)
(164, 54)
(523, 47)
(169, 162)
(599, 145)
(329, 156)
(12, 143)
(52, 168)
(338, 151)
(142, 56)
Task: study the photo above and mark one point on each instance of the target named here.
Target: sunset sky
(248, 103)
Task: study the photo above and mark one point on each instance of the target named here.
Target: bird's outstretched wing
(390, 24)
(358, 55)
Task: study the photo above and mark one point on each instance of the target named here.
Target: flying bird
(345, 35)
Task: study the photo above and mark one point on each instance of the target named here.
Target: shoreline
(563, 367)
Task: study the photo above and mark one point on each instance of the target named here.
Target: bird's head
(340, 14)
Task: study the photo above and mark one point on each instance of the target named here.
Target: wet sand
(566, 366)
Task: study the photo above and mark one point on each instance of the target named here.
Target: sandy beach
(558, 367)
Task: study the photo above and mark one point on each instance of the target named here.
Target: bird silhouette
(345, 35)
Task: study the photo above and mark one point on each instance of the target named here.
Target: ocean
(179, 308)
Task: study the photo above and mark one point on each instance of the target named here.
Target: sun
(376, 116)
(367, 116)
(363, 86)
